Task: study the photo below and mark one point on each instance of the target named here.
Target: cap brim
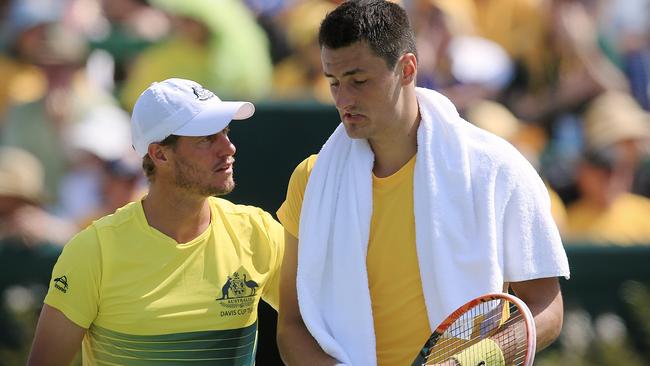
(215, 118)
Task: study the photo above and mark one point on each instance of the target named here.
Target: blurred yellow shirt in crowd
(21, 83)
(625, 222)
(519, 26)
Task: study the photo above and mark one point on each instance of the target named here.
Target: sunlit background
(565, 81)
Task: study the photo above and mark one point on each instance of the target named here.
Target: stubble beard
(187, 177)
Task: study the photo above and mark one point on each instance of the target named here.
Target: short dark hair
(148, 166)
(383, 25)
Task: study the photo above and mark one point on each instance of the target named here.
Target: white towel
(482, 217)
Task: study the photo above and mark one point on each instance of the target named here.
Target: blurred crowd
(565, 81)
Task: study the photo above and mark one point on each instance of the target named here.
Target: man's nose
(225, 146)
(343, 98)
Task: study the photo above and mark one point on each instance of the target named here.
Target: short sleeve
(289, 212)
(74, 287)
(275, 232)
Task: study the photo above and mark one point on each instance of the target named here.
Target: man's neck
(396, 147)
(180, 216)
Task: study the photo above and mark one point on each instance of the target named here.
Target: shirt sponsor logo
(61, 284)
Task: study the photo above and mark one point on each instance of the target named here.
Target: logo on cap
(202, 93)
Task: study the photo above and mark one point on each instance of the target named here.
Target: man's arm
(296, 345)
(544, 300)
(57, 339)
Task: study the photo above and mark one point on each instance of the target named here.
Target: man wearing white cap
(177, 277)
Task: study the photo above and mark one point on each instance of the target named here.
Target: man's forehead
(350, 60)
(352, 51)
(351, 72)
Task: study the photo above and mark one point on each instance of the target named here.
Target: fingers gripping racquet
(491, 330)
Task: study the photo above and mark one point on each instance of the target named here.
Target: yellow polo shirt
(148, 300)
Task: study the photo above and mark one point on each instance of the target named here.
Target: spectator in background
(22, 217)
(300, 76)
(578, 71)
(616, 120)
(519, 27)
(270, 16)
(617, 134)
(626, 26)
(606, 212)
(121, 183)
(41, 126)
(132, 26)
(555, 46)
(22, 81)
(97, 142)
(462, 65)
(30, 238)
(215, 43)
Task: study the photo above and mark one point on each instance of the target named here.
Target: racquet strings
(497, 319)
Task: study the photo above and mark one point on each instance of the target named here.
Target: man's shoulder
(122, 215)
(96, 233)
(244, 217)
(303, 170)
(311, 160)
(232, 209)
(492, 153)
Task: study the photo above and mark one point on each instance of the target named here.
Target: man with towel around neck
(407, 212)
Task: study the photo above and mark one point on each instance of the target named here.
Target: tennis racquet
(491, 330)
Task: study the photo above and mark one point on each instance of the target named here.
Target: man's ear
(157, 153)
(409, 67)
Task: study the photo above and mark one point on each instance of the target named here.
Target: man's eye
(207, 139)
(358, 82)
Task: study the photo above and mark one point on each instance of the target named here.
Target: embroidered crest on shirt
(238, 294)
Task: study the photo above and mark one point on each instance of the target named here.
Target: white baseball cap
(181, 107)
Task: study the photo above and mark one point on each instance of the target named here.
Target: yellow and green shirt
(148, 300)
(398, 308)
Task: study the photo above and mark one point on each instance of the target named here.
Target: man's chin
(224, 190)
(355, 133)
(357, 136)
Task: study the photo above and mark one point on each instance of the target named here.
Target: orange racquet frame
(485, 317)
